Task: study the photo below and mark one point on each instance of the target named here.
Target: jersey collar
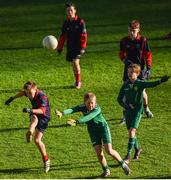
(75, 18)
(137, 38)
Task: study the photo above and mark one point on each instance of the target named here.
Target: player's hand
(82, 51)
(27, 110)
(147, 74)
(126, 61)
(128, 106)
(8, 101)
(58, 113)
(72, 122)
(59, 51)
(164, 78)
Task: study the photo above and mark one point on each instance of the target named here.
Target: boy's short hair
(134, 24)
(29, 85)
(135, 68)
(69, 4)
(89, 96)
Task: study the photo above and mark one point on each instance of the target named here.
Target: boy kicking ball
(98, 130)
(39, 116)
(131, 99)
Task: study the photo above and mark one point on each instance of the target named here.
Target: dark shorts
(133, 119)
(100, 135)
(72, 55)
(42, 123)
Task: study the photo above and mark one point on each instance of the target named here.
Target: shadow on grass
(96, 177)
(19, 170)
(73, 166)
(25, 128)
(49, 127)
(167, 176)
(115, 120)
(41, 88)
(9, 90)
(19, 48)
(13, 129)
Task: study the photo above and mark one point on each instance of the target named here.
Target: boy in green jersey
(98, 130)
(131, 99)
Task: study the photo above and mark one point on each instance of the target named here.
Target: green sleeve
(90, 116)
(71, 110)
(121, 96)
(150, 84)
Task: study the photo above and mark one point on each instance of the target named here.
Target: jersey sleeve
(121, 96)
(147, 55)
(72, 110)
(122, 52)
(43, 103)
(83, 34)
(90, 116)
(145, 84)
(62, 38)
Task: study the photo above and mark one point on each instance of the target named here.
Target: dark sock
(131, 143)
(105, 168)
(136, 146)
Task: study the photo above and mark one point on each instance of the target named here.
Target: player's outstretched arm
(152, 84)
(165, 78)
(20, 94)
(8, 101)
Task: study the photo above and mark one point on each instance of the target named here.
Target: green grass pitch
(23, 24)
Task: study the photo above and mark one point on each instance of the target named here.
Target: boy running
(98, 130)
(39, 116)
(134, 49)
(131, 99)
(74, 32)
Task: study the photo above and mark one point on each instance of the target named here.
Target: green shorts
(100, 135)
(133, 119)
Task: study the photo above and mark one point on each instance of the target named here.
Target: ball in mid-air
(50, 42)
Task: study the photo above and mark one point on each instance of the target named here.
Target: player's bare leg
(115, 155)
(42, 149)
(102, 160)
(31, 129)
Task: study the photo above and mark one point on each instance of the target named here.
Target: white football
(50, 42)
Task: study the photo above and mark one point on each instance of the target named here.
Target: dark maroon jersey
(136, 51)
(40, 101)
(74, 33)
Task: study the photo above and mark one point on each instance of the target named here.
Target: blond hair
(89, 96)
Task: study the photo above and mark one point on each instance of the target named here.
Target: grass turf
(23, 26)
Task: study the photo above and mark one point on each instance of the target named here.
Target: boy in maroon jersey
(134, 49)
(39, 117)
(74, 33)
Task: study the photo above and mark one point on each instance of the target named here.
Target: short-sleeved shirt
(40, 101)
